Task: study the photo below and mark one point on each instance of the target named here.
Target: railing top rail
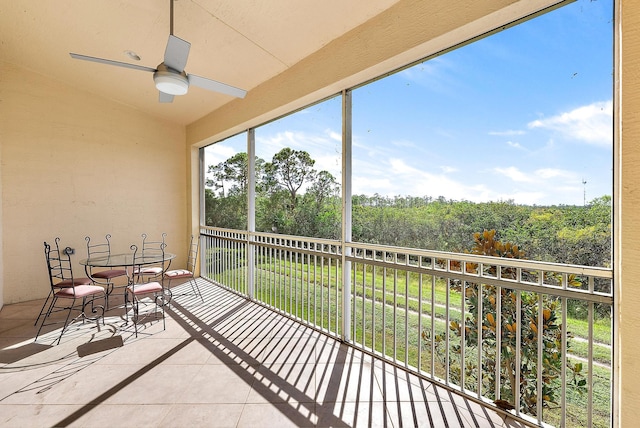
(277, 236)
(222, 229)
(274, 236)
(533, 265)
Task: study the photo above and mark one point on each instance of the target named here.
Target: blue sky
(523, 115)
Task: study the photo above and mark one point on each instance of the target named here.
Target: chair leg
(164, 325)
(69, 308)
(195, 288)
(109, 287)
(136, 314)
(167, 295)
(135, 304)
(49, 309)
(134, 307)
(42, 311)
(66, 321)
(48, 314)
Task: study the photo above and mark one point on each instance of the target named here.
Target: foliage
(563, 234)
(293, 198)
(280, 206)
(499, 330)
(231, 177)
(290, 170)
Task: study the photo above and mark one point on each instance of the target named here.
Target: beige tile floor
(226, 362)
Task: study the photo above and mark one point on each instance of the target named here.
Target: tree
(290, 169)
(323, 187)
(319, 213)
(487, 321)
(235, 173)
(227, 212)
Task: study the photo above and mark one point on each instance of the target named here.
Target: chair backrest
(192, 256)
(149, 245)
(58, 263)
(141, 258)
(98, 249)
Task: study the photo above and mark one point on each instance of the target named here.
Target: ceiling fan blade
(111, 62)
(165, 98)
(176, 53)
(213, 85)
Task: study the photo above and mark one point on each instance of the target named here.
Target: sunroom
(87, 150)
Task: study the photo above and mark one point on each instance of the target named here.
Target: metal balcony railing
(534, 335)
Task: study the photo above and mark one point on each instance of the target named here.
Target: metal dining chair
(157, 270)
(103, 277)
(188, 273)
(138, 291)
(68, 291)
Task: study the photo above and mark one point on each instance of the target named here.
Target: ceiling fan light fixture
(172, 83)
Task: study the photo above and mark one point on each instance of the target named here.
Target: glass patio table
(126, 260)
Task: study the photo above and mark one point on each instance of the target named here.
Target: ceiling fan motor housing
(170, 81)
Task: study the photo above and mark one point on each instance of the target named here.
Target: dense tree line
(563, 234)
(293, 198)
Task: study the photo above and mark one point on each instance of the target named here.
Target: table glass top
(126, 259)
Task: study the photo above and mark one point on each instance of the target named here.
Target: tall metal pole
(171, 17)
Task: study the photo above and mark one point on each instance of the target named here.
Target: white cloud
(395, 177)
(508, 133)
(448, 169)
(336, 136)
(403, 144)
(217, 153)
(540, 175)
(515, 145)
(591, 124)
(554, 173)
(330, 163)
(514, 174)
(369, 186)
(327, 143)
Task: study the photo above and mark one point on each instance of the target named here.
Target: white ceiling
(239, 42)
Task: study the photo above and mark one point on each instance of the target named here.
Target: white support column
(202, 220)
(251, 209)
(346, 215)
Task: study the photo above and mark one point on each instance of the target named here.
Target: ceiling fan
(170, 77)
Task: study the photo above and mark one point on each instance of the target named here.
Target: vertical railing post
(251, 211)
(346, 214)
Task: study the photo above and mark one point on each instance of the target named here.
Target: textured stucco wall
(75, 165)
(628, 296)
